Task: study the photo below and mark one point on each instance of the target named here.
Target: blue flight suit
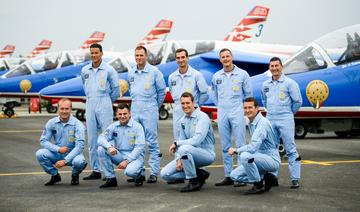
(71, 135)
(229, 94)
(129, 140)
(261, 155)
(195, 147)
(101, 86)
(147, 90)
(193, 82)
(282, 99)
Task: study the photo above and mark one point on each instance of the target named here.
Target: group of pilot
(123, 143)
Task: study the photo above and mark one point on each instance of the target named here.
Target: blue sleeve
(105, 138)
(46, 138)
(247, 87)
(79, 142)
(114, 84)
(295, 95)
(215, 91)
(203, 89)
(139, 144)
(263, 96)
(257, 138)
(201, 130)
(160, 87)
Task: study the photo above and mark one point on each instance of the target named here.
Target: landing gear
(8, 108)
(281, 149)
(342, 134)
(300, 130)
(51, 109)
(80, 114)
(163, 113)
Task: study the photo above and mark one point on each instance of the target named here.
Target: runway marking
(304, 162)
(20, 131)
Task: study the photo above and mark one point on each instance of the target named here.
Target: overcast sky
(69, 22)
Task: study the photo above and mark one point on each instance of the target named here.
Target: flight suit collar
(194, 114)
(146, 68)
(70, 122)
(129, 124)
(256, 119)
(188, 72)
(281, 79)
(235, 71)
(101, 66)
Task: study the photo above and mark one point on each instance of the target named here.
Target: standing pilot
(282, 99)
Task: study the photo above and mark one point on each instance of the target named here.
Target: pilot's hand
(232, 151)
(112, 150)
(63, 149)
(172, 149)
(179, 166)
(60, 164)
(123, 164)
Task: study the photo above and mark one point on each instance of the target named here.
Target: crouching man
(69, 135)
(122, 144)
(193, 149)
(260, 156)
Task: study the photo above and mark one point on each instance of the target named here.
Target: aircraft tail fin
(41, 48)
(250, 28)
(160, 31)
(96, 37)
(7, 50)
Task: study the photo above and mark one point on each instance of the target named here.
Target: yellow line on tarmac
(19, 131)
(304, 162)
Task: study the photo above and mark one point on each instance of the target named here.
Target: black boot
(239, 184)
(111, 182)
(152, 179)
(270, 181)
(139, 181)
(93, 176)
(54, 179)
(176, 182)
(226, 181)
(194, 185)
(74, 180)
(202, 175)
(258, 188)
(132, 180)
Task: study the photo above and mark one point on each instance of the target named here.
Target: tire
(342, 134)
(281, 149)
(80, 114)
(300, 130)
(163, 113)
(9, 112)
(51, 109)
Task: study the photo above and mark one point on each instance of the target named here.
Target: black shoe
(54, 179)
(139, 182)
(239, 184)
(176, 182)
(152, 179)
(93, 176)
(270, 181)
(131, 180)
(74, 180)
(226, 181)
(258, 188)
(295, 184)
(111, 182)
(194, 185)
(202, 175)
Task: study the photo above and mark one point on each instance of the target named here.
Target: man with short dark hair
(147, 90)
(194, 148)
(231, 85)
(69, 135)
(261, 156)
(122, 144)
(101, 86)
(281, 97)
(185, 79)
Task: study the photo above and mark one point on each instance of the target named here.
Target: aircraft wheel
(51, 109)
(9, 112)
(300, 130)
(80, 114)
(281, 148)
(163, 113)
(342, 134)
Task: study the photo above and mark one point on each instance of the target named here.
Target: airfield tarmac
(330, 179)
